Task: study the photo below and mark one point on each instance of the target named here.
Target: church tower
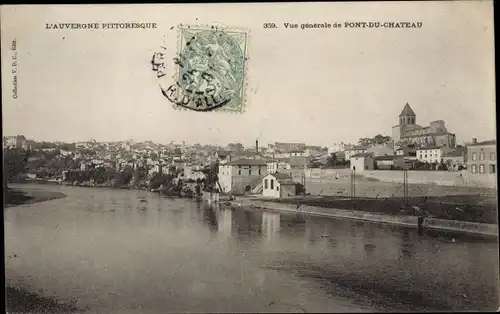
(406, 118)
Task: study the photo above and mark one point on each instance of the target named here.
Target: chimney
(474, 140)
(257, 147)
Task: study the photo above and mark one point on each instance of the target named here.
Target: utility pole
(405, 187)
(353, 182)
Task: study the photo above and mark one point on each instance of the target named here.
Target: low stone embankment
(403, 220)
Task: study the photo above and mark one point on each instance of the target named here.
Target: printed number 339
(270, 25)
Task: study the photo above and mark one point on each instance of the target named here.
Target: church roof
(407, 111)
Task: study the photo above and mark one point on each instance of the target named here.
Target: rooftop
(362, 155)
(359, 148)
(387, 157)
(428, 134)
(282, 178)
(485, 143)
(247, 162)
(428, 148)
(407, 111)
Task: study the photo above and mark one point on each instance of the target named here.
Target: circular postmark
(211, 70)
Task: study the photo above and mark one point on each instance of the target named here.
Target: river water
(128, 251)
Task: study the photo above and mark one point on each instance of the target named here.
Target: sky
(318, 86)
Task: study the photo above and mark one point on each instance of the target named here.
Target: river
(130, 251)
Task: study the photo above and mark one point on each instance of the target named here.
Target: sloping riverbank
(20, 301)
(416, 221)
(14, 197)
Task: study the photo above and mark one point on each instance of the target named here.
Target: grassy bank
(13, 197)
(19, 301)
(472, 208)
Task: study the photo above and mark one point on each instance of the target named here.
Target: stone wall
(239, 183)
(445, 178)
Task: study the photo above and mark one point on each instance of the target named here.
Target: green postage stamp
(211, 68)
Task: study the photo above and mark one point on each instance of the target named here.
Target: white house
(242, 175)
(432, 154)
(354, 150)
(362, 161)
(339, 147)
(278, 165)
(278, 185)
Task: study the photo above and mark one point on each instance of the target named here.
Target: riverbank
(20, 301)
(415, 220)
(14, 197)
(468, 208)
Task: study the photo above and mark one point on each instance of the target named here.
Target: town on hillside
(235, 169)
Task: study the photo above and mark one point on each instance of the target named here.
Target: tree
(160, 179)
(329, 162)
(235, 147)
(442, 167)
(15, 161)
(376, 140)
(124, 178)
(365, 141)
(334, 159)
(449, 164)
(381, 139)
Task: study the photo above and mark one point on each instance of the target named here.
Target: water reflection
(164, 246)
(210, 218)
(271, 225)
(225, 222)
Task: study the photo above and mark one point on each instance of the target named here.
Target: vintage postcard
(250, 157)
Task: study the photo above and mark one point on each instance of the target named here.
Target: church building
(409, 132)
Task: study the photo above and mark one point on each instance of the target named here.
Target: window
(474, 168)
(265, 184)
(250, 172)
(272, 184)
(481, 156)
(492, 169)
(277, 188)
(474, 156)
(492, 156)
(481, 168)
(239, 172)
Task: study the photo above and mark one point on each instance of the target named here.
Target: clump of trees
(331, 162)
(376, 140)
(98, 175)
(160, 180)
(235, 147)
(14, 161)
(419, 165)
